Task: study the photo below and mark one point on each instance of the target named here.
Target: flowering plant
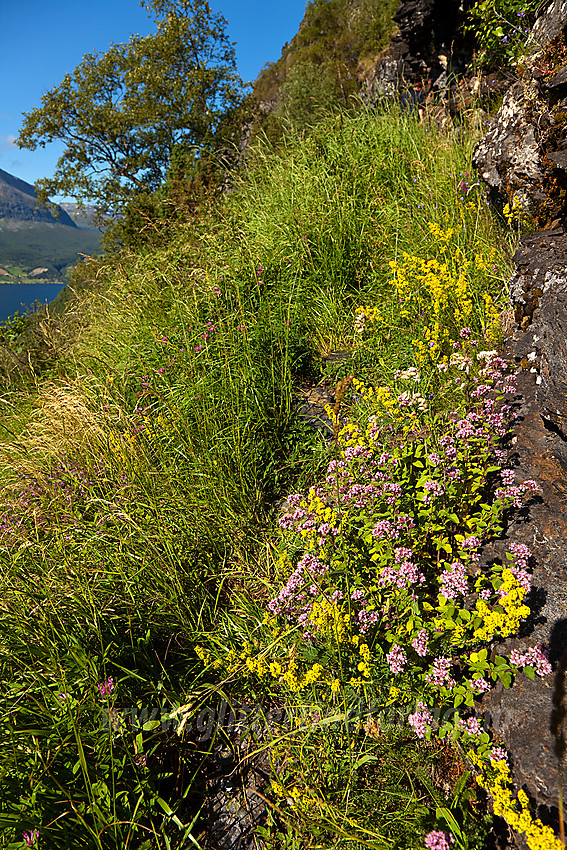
(381, 572)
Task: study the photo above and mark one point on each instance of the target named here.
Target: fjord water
(23, 296)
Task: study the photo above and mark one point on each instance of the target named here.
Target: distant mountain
(33, 237)
(84, 216)
(18, 202)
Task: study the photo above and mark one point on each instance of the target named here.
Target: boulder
(523, 157)
(428, 41)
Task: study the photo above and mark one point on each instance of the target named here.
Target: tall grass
(140, 492)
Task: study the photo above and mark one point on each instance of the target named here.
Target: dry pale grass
(64, 419)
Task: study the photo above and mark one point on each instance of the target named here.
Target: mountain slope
(18, 200)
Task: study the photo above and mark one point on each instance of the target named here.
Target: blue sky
(40, 41)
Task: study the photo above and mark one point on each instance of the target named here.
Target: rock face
(522, 716)
(428, 42)
(524, 155)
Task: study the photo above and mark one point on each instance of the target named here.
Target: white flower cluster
(409, 374)
(408, 399)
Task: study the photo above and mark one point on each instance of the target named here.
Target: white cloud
(7, 143)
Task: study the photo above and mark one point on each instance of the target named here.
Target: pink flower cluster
(523, 554)
(498, 754)
(535, 657)
(406, 575)
(396, 659)
(481, 685)
(440, 674)
(438, 840)
(292, 600)
(514, 493)
(421, 720)
(471, 726)
(419, 643)
(106, 688)
(454, 581)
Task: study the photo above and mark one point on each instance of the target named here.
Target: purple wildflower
(438, 840)
(421, 720)
(106, 687)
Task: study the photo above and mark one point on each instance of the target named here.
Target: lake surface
(22, 296)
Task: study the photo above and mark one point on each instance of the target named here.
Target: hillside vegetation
(141, 493)
(211, 608)
(321, 69)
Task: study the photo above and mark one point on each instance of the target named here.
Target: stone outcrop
(522, 716)
(523, 157)
(428, 46)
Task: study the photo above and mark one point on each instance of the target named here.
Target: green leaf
(443, 813)
(368, 759)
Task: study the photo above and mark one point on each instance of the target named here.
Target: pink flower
(106, 687)
(535, 657)
(30, 837)
(440, 673)
(396, 659)
(454, 581)
(419, 643)
(420, 721)
(498, 754)
(438, 840)
(471, 725)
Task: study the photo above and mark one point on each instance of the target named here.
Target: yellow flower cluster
(440, 293)
(516, 813)
(383, 400)
(330, 619)
(508, 614)
(364, 665)
(121, 446)
(371, 314)
(513, 212)
(208, 658)
(492, 318)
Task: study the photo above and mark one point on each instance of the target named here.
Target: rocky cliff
(523, 161)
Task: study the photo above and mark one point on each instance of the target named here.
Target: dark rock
(559, 158)
(522, 715)
(508, 158)
(541, 266)
(560, 79)
(523, 157)
(429, 44)
(309, 404)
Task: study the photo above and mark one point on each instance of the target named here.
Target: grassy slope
(140, 494)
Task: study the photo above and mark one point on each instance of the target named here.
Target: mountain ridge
(18, 201)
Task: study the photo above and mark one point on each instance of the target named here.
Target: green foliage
(120, 114)
(336, 37)
(501, 28)
(308, 95)
(140, 488)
